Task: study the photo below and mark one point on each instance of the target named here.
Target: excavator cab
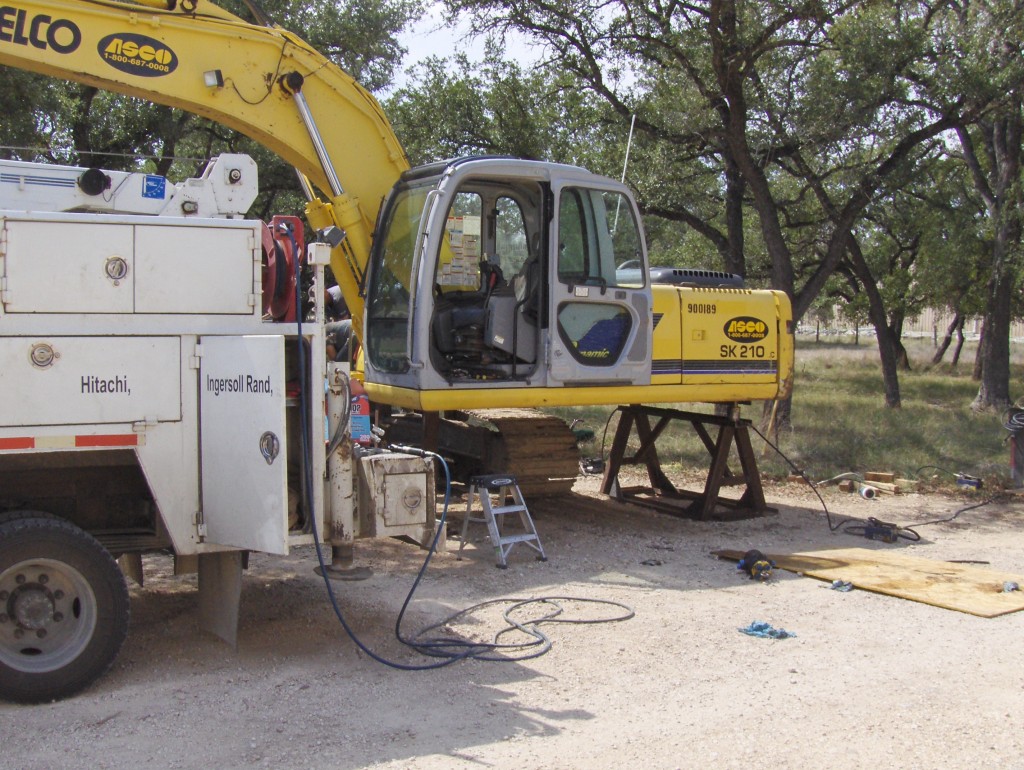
(499, 273)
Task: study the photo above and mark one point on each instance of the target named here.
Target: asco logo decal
(137, 55)
(746, 329)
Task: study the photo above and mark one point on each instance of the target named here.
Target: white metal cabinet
(53, 266)
(242, 442)
(89, 380)
(78, 263)
(195, 269)
(396, 496)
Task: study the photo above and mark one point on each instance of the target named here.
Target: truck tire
(7, 516)
(64, 609)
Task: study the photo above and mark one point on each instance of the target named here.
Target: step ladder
(504, 488)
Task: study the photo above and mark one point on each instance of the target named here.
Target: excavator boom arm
(258, 80)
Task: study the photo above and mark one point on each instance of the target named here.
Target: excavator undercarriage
(540, 449)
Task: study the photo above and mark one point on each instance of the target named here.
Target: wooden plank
(961, 587)
(888, 478)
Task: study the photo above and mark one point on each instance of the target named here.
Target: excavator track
(538, 449)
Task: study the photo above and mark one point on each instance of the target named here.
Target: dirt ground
(868, 681)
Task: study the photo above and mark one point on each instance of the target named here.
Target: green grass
(840, 423)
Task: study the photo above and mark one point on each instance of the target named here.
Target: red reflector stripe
(110, 440)
(22, 442)
(66, 442)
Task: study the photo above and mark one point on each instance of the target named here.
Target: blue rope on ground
(765, 631)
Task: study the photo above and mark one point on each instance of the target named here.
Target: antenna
(629, 146)
(625, 165)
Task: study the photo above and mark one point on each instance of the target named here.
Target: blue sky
(430, 37)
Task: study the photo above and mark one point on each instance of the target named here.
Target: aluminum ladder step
(504, 488)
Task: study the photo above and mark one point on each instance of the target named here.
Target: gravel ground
(868, 681)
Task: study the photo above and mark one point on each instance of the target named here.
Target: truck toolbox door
(242, 442)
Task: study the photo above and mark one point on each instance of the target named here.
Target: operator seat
(459, 324)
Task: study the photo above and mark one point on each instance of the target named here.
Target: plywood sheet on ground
(962, 587)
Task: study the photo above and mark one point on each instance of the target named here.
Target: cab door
(600, 311)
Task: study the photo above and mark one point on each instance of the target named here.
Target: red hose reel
(283, 250)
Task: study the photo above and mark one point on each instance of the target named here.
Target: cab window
(597, 232)
(458, 265)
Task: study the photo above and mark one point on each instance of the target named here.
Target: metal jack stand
(662, 495)
(340, 568)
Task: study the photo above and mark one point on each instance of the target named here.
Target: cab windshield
(387, 300)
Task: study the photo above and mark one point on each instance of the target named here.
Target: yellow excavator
(473, 284)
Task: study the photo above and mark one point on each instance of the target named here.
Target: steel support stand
(661, 494)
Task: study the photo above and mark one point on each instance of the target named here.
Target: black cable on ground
(962, 510)
(874, 529)
(449, 649)
(910, 533)
(453, 649)
(798, 471)
(529, 627)
(938, 468)
(1015, 418)
(962, 479)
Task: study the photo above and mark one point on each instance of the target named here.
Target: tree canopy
(785, 133)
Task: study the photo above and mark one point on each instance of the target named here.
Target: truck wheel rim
(47, 615)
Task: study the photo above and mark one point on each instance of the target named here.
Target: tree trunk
(902, 357)
(887, 350)
(979, 357)
(994, 351)
(959, 343)
(896, 331)
(735, 189)
(776, 415)
(998, 183)
(888, 343)
(732, 111)
(956, 323)
(80, 128)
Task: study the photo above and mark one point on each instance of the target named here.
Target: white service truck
(160, 393)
